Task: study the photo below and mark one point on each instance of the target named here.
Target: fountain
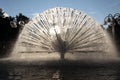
(63, 33)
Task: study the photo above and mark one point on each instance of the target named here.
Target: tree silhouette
(113, 22)
(1, 13)
(21, 20)
(10, 28)
(22, 17)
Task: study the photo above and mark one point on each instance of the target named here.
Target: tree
(21, 20)
(1, 13)
(113, 22)
(22, 17)
(9, 30)
(5, 34)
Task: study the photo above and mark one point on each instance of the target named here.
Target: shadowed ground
(57, 70)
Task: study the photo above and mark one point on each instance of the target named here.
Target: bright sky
(98, 9)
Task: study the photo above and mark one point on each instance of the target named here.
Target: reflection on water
(40, 72)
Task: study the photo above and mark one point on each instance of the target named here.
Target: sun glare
(54, 30)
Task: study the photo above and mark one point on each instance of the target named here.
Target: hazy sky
(98, 9)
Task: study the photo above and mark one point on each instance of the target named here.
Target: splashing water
(64, 33)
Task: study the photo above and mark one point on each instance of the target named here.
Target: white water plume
(66, 32)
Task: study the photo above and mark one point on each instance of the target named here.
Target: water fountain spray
(64, 30)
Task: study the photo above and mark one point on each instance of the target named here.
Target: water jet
(63, 33)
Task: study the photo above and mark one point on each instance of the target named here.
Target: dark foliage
(10, 27)
(114, 28)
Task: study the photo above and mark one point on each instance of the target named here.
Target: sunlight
(54, 30)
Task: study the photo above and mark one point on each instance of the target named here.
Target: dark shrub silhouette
(10, 28)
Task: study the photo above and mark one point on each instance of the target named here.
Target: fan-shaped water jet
(64, 31)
